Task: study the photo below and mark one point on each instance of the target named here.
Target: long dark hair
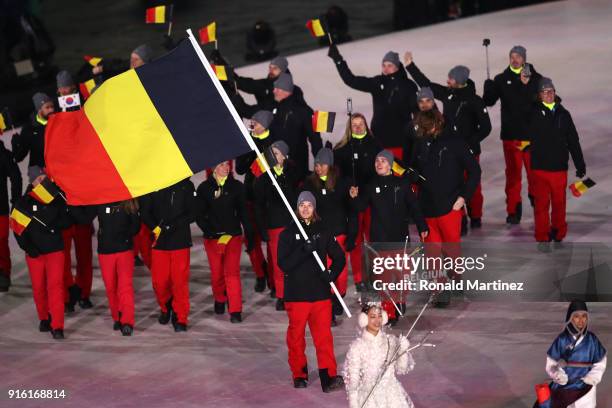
(129, 206)
(329, 184)
(427, 121)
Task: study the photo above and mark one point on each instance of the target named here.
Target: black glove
(580, 173)
(168, 42)
(334, 53)
(488, 83)
(325, 276)
(309, 246)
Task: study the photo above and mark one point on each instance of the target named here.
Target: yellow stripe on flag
(43, 194)
(160, 14)
(224, 239)
(220, 71)
(322, 118)
(212, 31)
(397, 169)
(523, 144)
(316, 28)
(132, 132)
(20, 217)
(93, 61)
(2, 123)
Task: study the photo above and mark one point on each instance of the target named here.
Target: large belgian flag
(144, 130)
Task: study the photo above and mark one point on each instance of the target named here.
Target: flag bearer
(308, 293)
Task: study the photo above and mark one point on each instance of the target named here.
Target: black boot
(117, 325)
(127, 330)
(300, 383)
(164, 317)
(74, 294)
(85, 303)
(260, 285)
(180, 327)
(273, 293)
(44, 326)
(236, 317)
(519, 211)
(464, 225)
(219, 308)
(5, 282)
(531, 200)
(280, 305)
(330, 384)
(475, 223)
(58, 334)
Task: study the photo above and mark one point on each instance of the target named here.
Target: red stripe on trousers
(47, 286)
(75, 156)
(476, 202)
(81, 234)
(318, 317)
(5, 253)
(277, 273)
(142, 245)
(170, 275)
(342, 280)
(549, 192)
(117, 273)
(224, 261)
(256, 256)
(515, 161)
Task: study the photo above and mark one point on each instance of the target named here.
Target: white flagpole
(247, 136)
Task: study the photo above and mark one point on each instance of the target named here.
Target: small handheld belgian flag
(45, 192)
(323, 121)
(158, 14)
(315, 27)
(581, 186)
(522, 145)
(86, 88)
(93, 61)
(397, 169)
(208, 34)
(19, 221)
(220, 71)
(257, 168)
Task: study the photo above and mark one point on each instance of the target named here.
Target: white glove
(560, 377)
(590, 380)
(404, 343)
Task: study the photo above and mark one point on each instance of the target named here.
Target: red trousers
(5, 254)
(446, 228)
(256, 256)
(550, 199)
(342, 281)
(318, 317)
(142, 245)
(117, 272)
(364, 220)
(515, 160)
(224, 261)
(277, 273)
(47, 286)
(170, 274)
(81, 234)
(476, 202)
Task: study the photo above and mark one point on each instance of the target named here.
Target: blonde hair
(348, 132)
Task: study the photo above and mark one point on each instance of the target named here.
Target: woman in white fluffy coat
(373, 359)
